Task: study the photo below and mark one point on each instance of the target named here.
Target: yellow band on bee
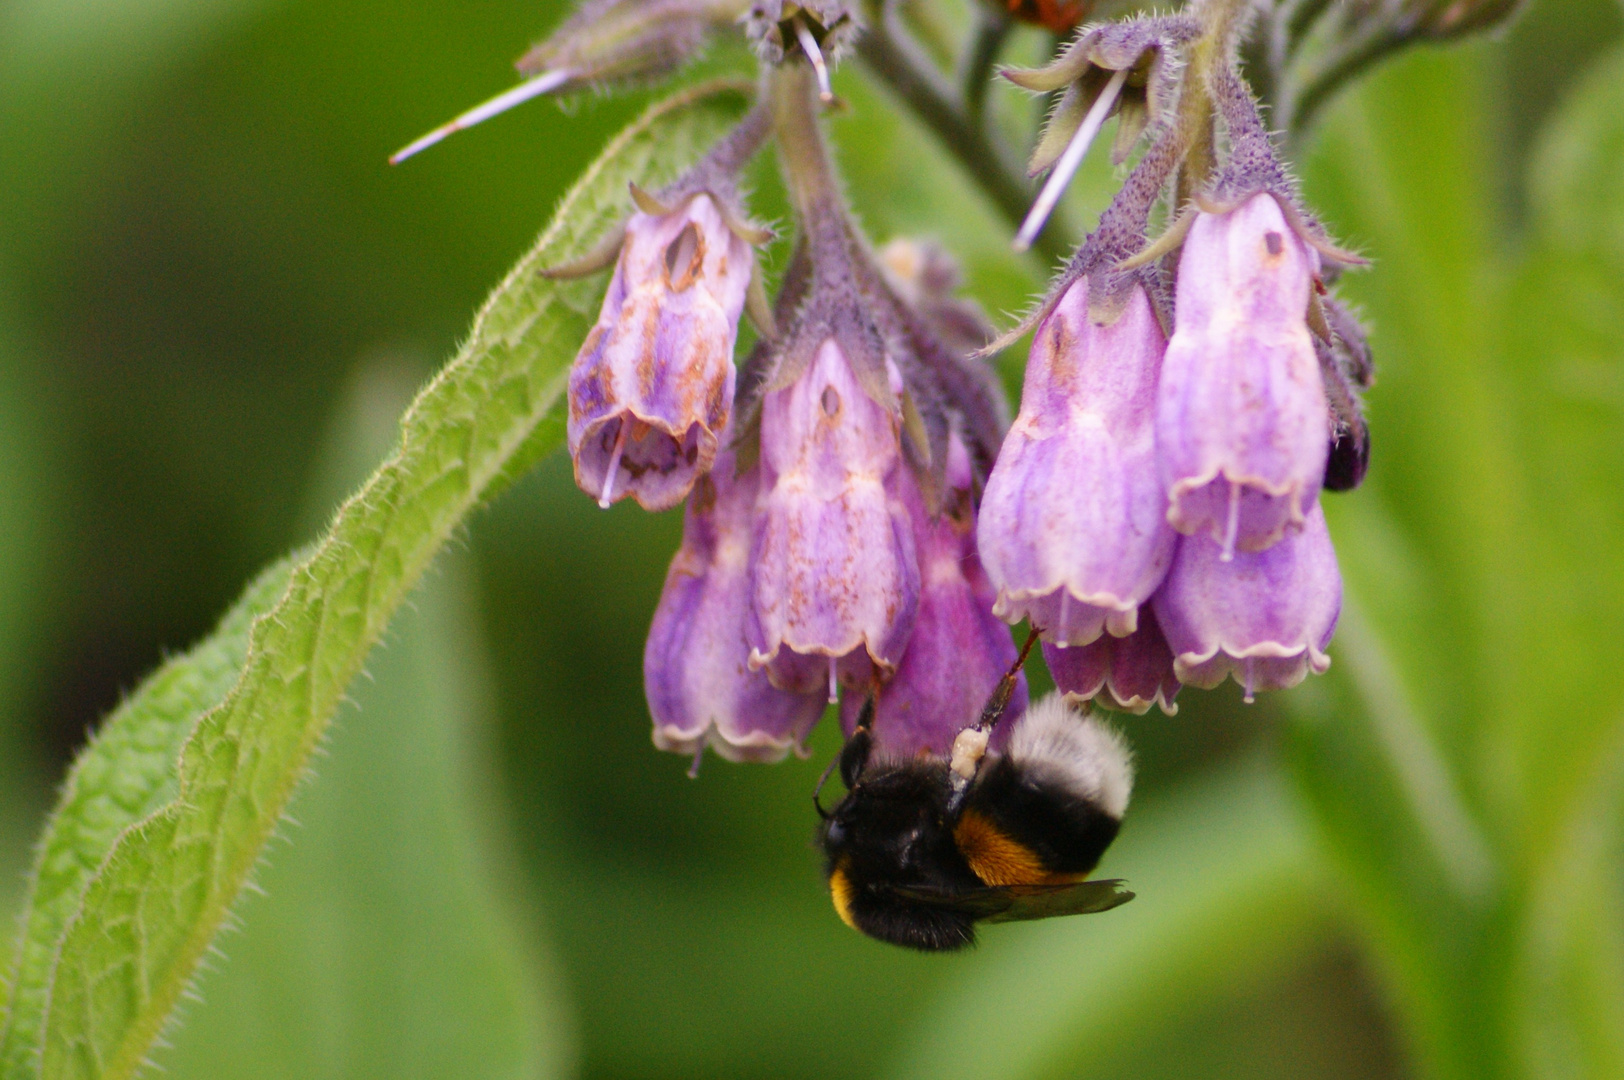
(998, 858)
(840, 890)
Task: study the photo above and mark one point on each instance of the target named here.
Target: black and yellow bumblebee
(920, 850)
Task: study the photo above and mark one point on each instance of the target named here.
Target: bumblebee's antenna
(970, 747)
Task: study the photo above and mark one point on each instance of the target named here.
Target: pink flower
(1265, 617)
(1242, 423)
(653, 385)
(1129, 674)
(958, 650)
(1073, 530)
(836, 577)
(696, 673)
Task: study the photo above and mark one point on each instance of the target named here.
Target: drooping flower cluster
(1154, 509)
(829, 539)
(861, 514)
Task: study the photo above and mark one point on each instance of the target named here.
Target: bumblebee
(921, 850)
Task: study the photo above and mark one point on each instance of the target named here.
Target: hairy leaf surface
(165, 888)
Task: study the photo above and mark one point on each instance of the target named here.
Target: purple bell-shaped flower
(696, 674)
(1242, 423)
(1128, 674)
(836, 576)
(652, 387)
(959, 649)
(1073, 529)
(1265, 617)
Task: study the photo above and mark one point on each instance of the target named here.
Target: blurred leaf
(1466, 762)
(30, 498)
(1576, 177)
(382, 945)
(1228, 890)
(168, 884)
(1566, 362)
(50, 119)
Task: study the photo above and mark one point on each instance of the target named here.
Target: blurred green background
(214, 300)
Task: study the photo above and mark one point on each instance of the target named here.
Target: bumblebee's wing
(1018, 903)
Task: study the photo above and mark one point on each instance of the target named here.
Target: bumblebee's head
(892, 831)
(918, 852)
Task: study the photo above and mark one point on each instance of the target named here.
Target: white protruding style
(546, 82)
(1070, 159)
(608, 497)
(809, 45)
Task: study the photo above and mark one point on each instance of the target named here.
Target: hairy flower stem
(807, 168)
(729, 156)
(1220, 22)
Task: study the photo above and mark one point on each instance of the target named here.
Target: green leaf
(1565, 352)
(168, 884)
(380, 945)
(380, 941)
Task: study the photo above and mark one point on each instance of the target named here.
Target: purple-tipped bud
(1073, 530)
(696, 672)
(1349, 458)
(1265, 617)
(959, 649)
(1242, 421)
(837, 580)
(1127, 674)
(653, 385)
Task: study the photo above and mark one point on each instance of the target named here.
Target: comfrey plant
(863, 523)
(859, 518)
(862, 520)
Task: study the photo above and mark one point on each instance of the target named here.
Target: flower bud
(1346, 367)
(615, 40)
(1348, 458)
(1242, 421)
(776, 28)
(653, 384)
(1127, 674)
(696, 673)
(1073, 529)
(1141, 46)
(958, 650)
(837, 580)
(1265, 617)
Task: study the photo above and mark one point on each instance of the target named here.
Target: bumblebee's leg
(993, 711)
